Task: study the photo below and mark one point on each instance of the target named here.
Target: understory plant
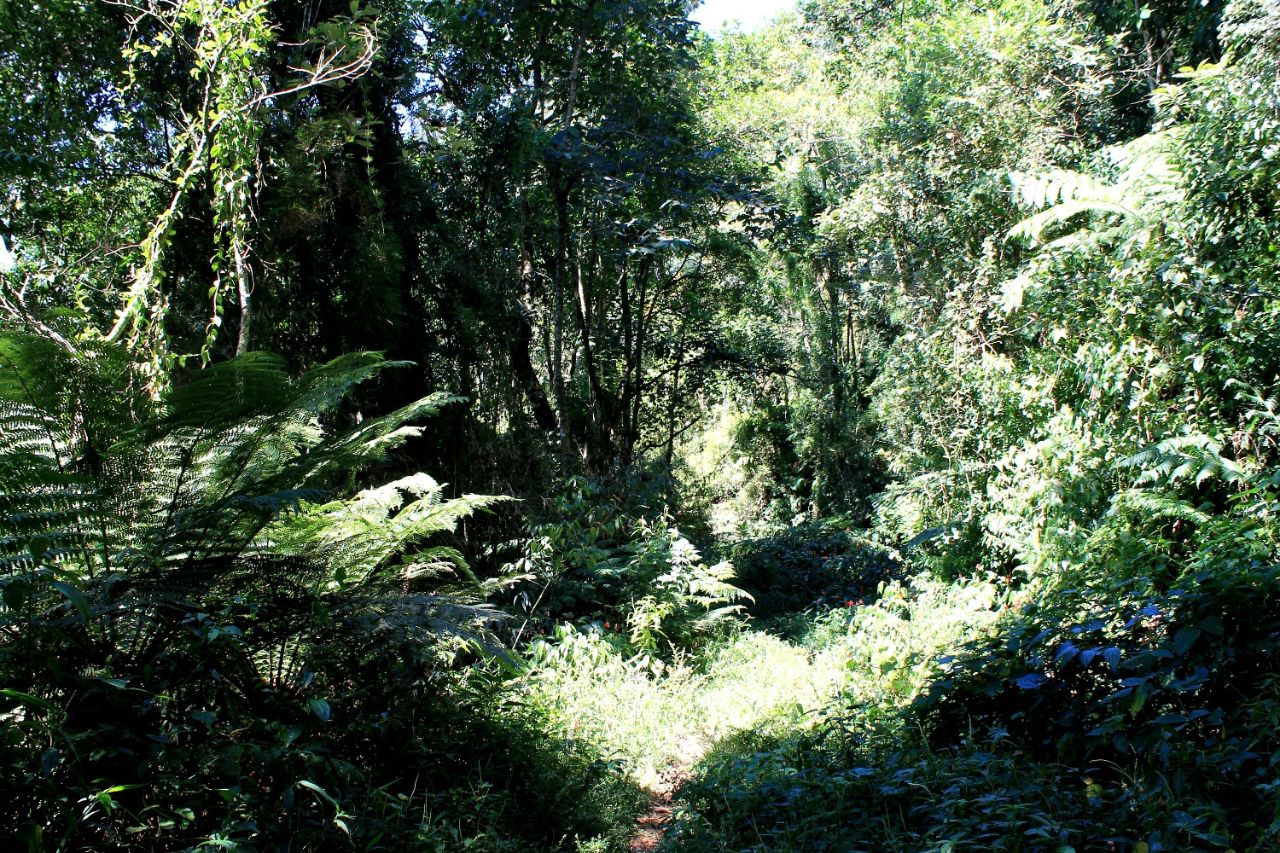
(621, 564)
(206, 639)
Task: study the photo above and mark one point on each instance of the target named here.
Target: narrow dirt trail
(651, 827)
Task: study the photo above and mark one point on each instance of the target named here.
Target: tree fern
(1181, 458)
(1146, 183)
(202, 551)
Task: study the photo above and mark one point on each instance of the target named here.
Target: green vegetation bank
(463, 424)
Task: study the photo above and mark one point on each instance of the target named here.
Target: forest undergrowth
(666, 720)
(537, 426)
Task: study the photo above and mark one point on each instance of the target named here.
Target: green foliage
(607, 558)
(1175, 688)
(185, 613)
(1143, 719)
(960, 313)
(818, 566)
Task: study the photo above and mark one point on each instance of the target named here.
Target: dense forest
(538, 425)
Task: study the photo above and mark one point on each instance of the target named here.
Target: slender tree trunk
(244, 291)
(637, 359)
(522, 366)
(627, 427)
(602, 413)
(558, 283)
(672, 400)
(522, 341)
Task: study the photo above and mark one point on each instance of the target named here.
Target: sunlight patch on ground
(655, 716)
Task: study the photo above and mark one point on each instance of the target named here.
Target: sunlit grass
(657, 716)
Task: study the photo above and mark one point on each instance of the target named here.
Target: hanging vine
(228, 45)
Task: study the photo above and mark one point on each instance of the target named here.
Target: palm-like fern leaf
(1146, 184)
(215, 515)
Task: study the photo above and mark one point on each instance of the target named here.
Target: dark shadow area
(445, 765)
(813, 567)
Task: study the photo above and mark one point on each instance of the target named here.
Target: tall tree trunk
(522, 341)
(244, 290)
(602, 411)
(522, 366)
(637, 366)
(558, 274)
(627, 427)
(672, 399)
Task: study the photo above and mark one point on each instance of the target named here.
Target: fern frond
(228, 393)
(1061, 196)
(717, 617)
(356, 538)
(1159, 506)
(323, 387)
(1147, 184)
(1182, 457)
(712, 585)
